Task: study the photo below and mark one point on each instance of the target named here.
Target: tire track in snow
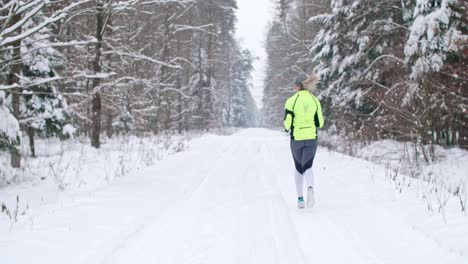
(187, 193)
(284, 210)
(207, 171)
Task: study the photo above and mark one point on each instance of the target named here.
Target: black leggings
(303, 152)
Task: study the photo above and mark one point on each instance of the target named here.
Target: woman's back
(305, 115)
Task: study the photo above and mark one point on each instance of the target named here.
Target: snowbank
(74, 166)
(440, 174)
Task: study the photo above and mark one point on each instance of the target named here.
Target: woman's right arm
(288, 116)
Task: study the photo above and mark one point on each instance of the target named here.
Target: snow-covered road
(231, 199)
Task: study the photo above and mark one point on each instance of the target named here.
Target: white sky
(253, 18)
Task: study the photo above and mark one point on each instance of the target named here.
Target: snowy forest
(102, 67)
(389, 69)
(393, 69)
(165, 131)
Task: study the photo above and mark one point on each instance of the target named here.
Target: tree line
(389, 69)
(101, 67)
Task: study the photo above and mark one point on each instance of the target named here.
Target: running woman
(303, 116)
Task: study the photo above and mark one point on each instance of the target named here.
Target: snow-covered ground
(74, 166)
(438, 174)
(231, 199)
(449, 166)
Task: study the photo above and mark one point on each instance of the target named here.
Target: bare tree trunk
(209, 118)
(31, 141)
(96, 126)
(96, 100)
(109, 131)
(179, 97)
(463, 117)
(15, 102)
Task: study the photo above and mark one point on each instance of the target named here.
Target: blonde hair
(311, 82)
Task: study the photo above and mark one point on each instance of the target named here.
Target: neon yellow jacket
(303, 115)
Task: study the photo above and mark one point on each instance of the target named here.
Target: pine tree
(45, 110)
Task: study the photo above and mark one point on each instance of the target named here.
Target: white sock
(299, 179)
(309, 175)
